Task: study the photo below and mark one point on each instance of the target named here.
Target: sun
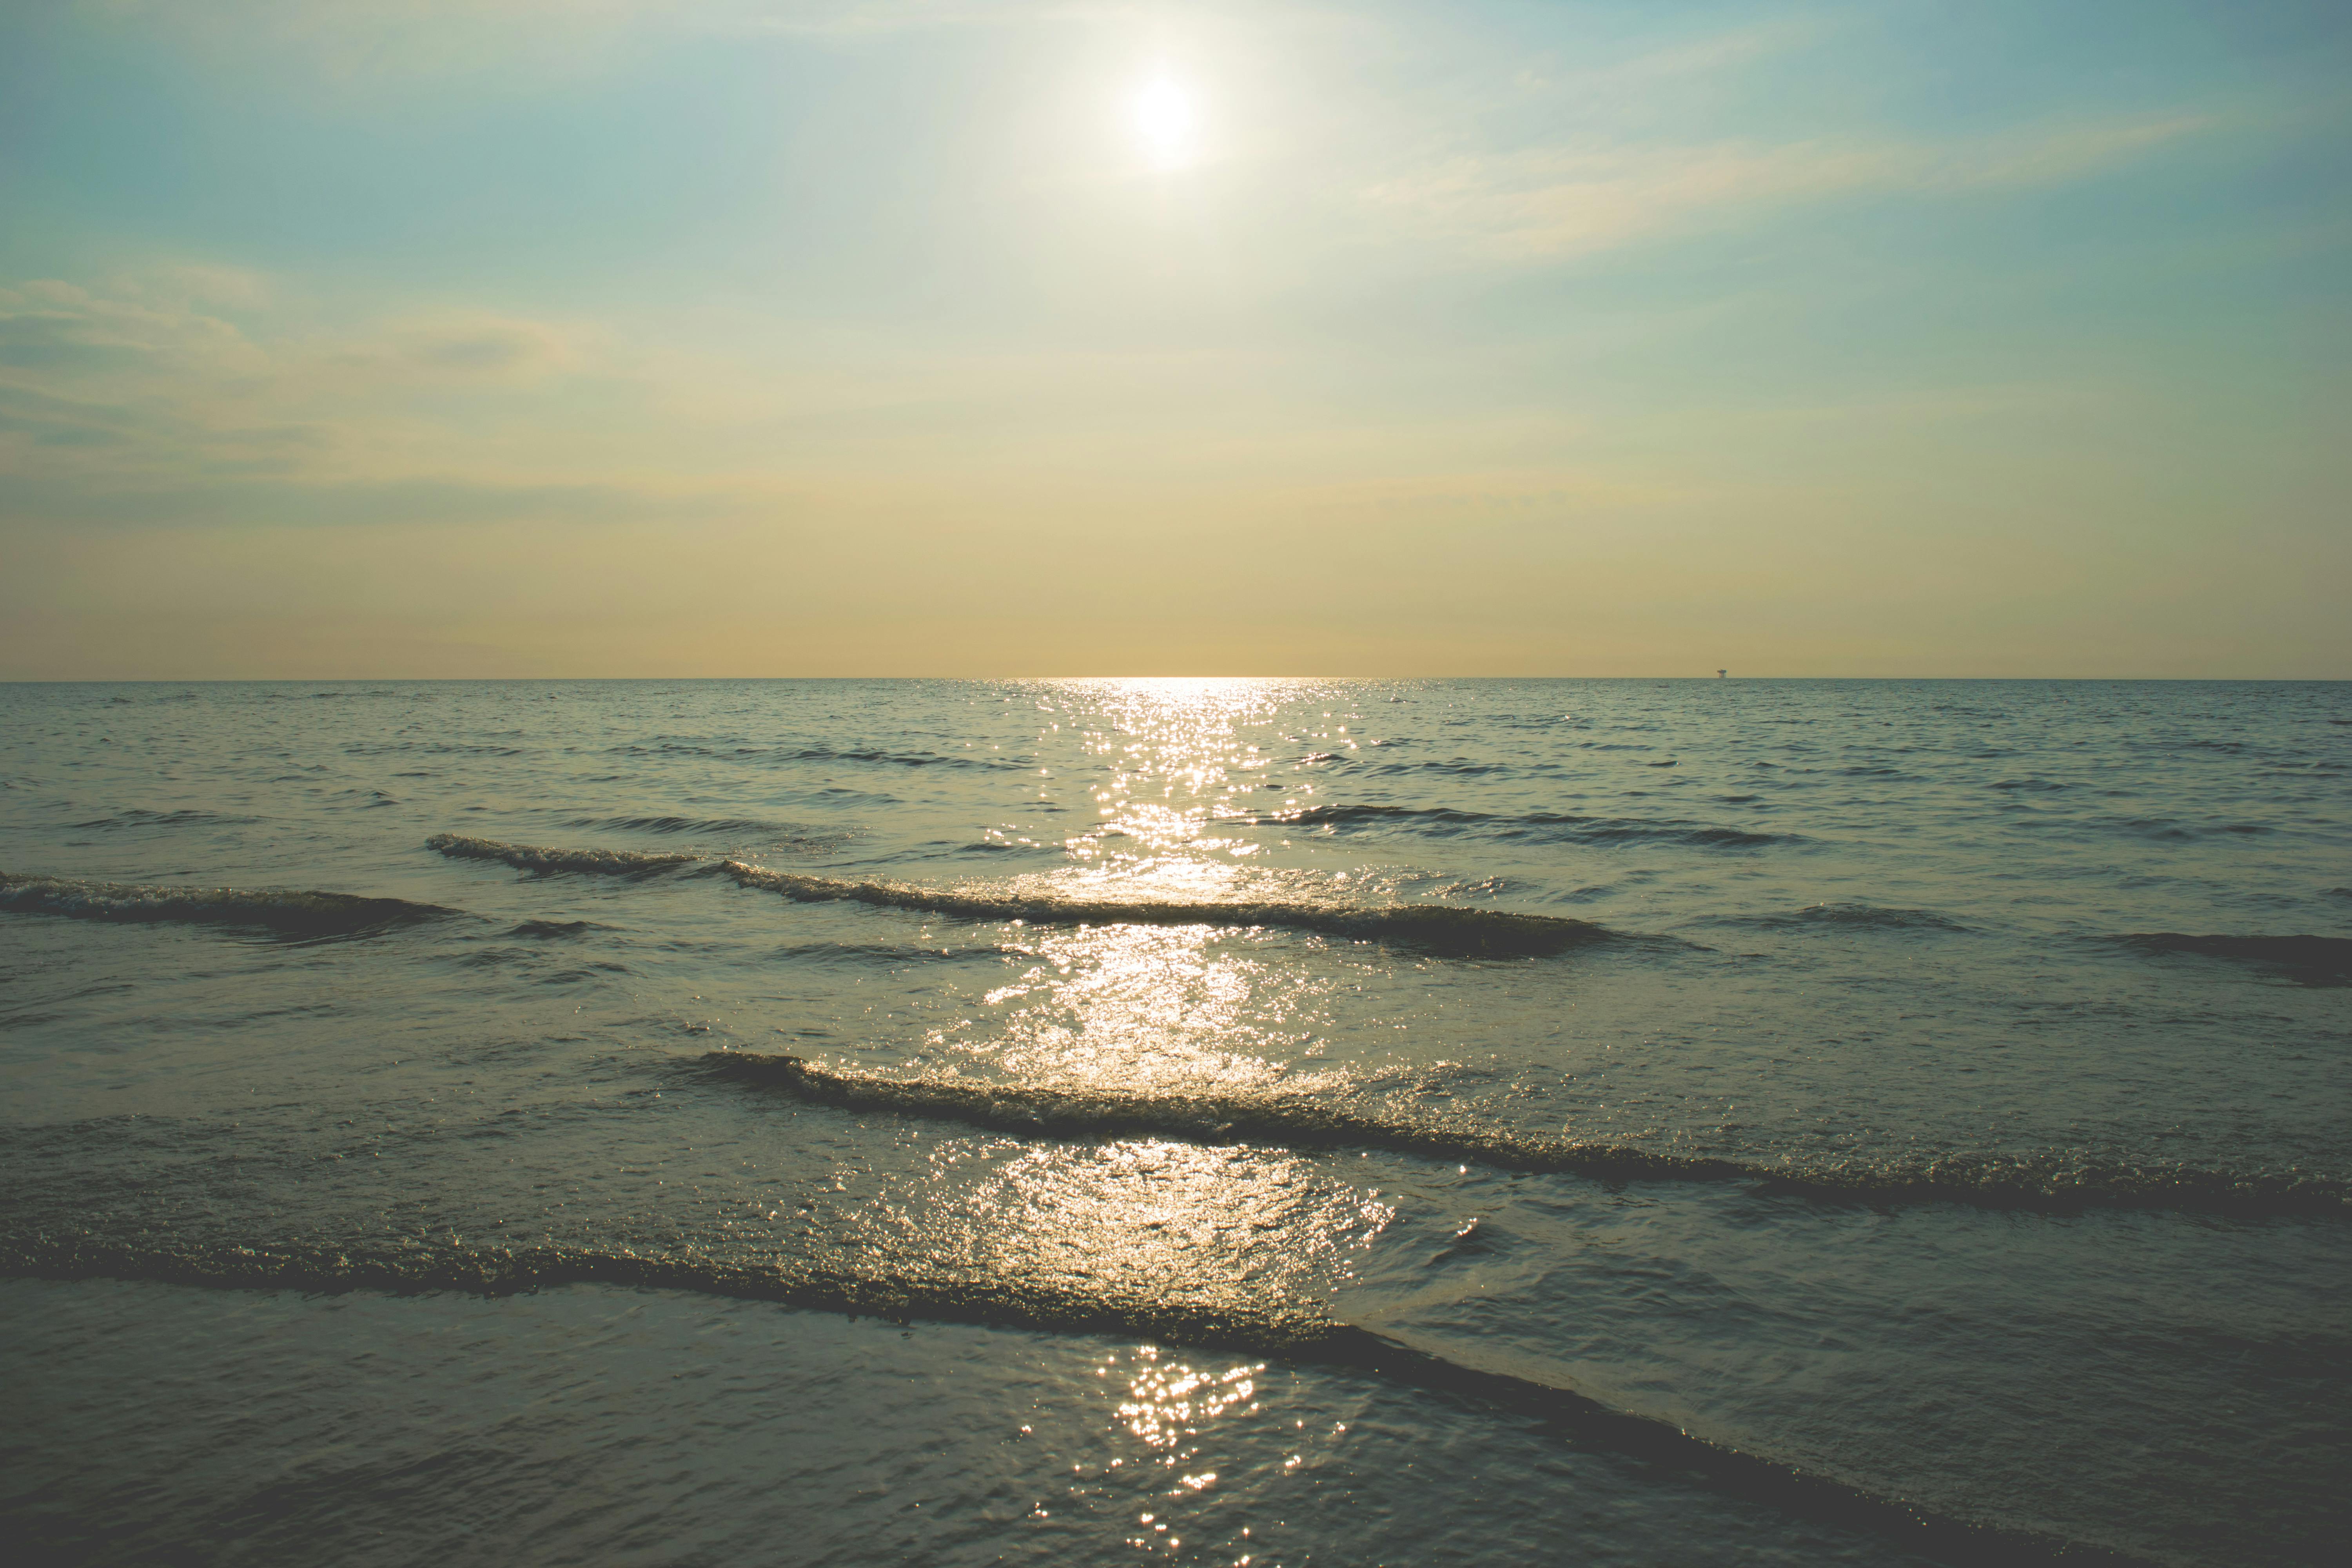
(1166, 122)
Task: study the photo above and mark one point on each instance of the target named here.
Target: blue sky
(515, 337)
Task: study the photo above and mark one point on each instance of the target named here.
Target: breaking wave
(2323, 960)
(1534, 825)
(1448, 928)
(2048, 1181)
(284, 911)
(530, 857)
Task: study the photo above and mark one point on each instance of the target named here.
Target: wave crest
(695, 824)
(2058, 1183)
(1282, 1328)
(547, 862)
(287, 911)
(1446, 928)
(1548, 825)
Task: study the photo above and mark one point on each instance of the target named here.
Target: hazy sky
(778, 337)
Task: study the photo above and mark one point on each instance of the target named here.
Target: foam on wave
(1448, 928)
(287, 911)
(546, 861)
(2049, 1182)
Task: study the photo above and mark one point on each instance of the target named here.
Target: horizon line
(1724, 679)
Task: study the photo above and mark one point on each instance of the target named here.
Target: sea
(1253, 1121)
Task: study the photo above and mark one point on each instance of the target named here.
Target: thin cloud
(240, 496)
(50, 324)
(113, 392)
(1706, 58)
(360, 38)
(1557, 202)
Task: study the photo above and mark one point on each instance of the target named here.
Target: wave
(1459, 767)
(899, 759)
(137, 818)
(2060, 1183)
(547, 862)
(1533, 825)
(2320, 961)
(691, 825)
(1868, 917)
(1021, 1302)
(556, 930)
(2173, 830)
(284, 911)
(812, 754)
(1444, 928)
(309, 696)
(1298, 1331)
(425, 748)
(892, 955)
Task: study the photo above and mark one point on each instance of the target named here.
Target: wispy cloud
(55, 328)
(142, 387)
(1595, 194)
(1708, 57)
(358, 38)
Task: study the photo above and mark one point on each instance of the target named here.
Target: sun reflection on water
(1184, 776)
(1170, 1232)
(1161, 1008)
(1176, 760)
(1167, 1404)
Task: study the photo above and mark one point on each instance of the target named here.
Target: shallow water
(1706, 1121)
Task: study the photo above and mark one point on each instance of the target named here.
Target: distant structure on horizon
(1721, 673)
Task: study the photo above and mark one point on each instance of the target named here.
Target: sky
(491, 337)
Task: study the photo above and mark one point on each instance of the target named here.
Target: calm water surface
(1229, 1121)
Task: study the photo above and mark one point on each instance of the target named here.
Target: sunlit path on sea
(1250, 1105)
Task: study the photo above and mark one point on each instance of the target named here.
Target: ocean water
(1208, 1121)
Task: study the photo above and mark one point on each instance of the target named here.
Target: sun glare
(1166, 123)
